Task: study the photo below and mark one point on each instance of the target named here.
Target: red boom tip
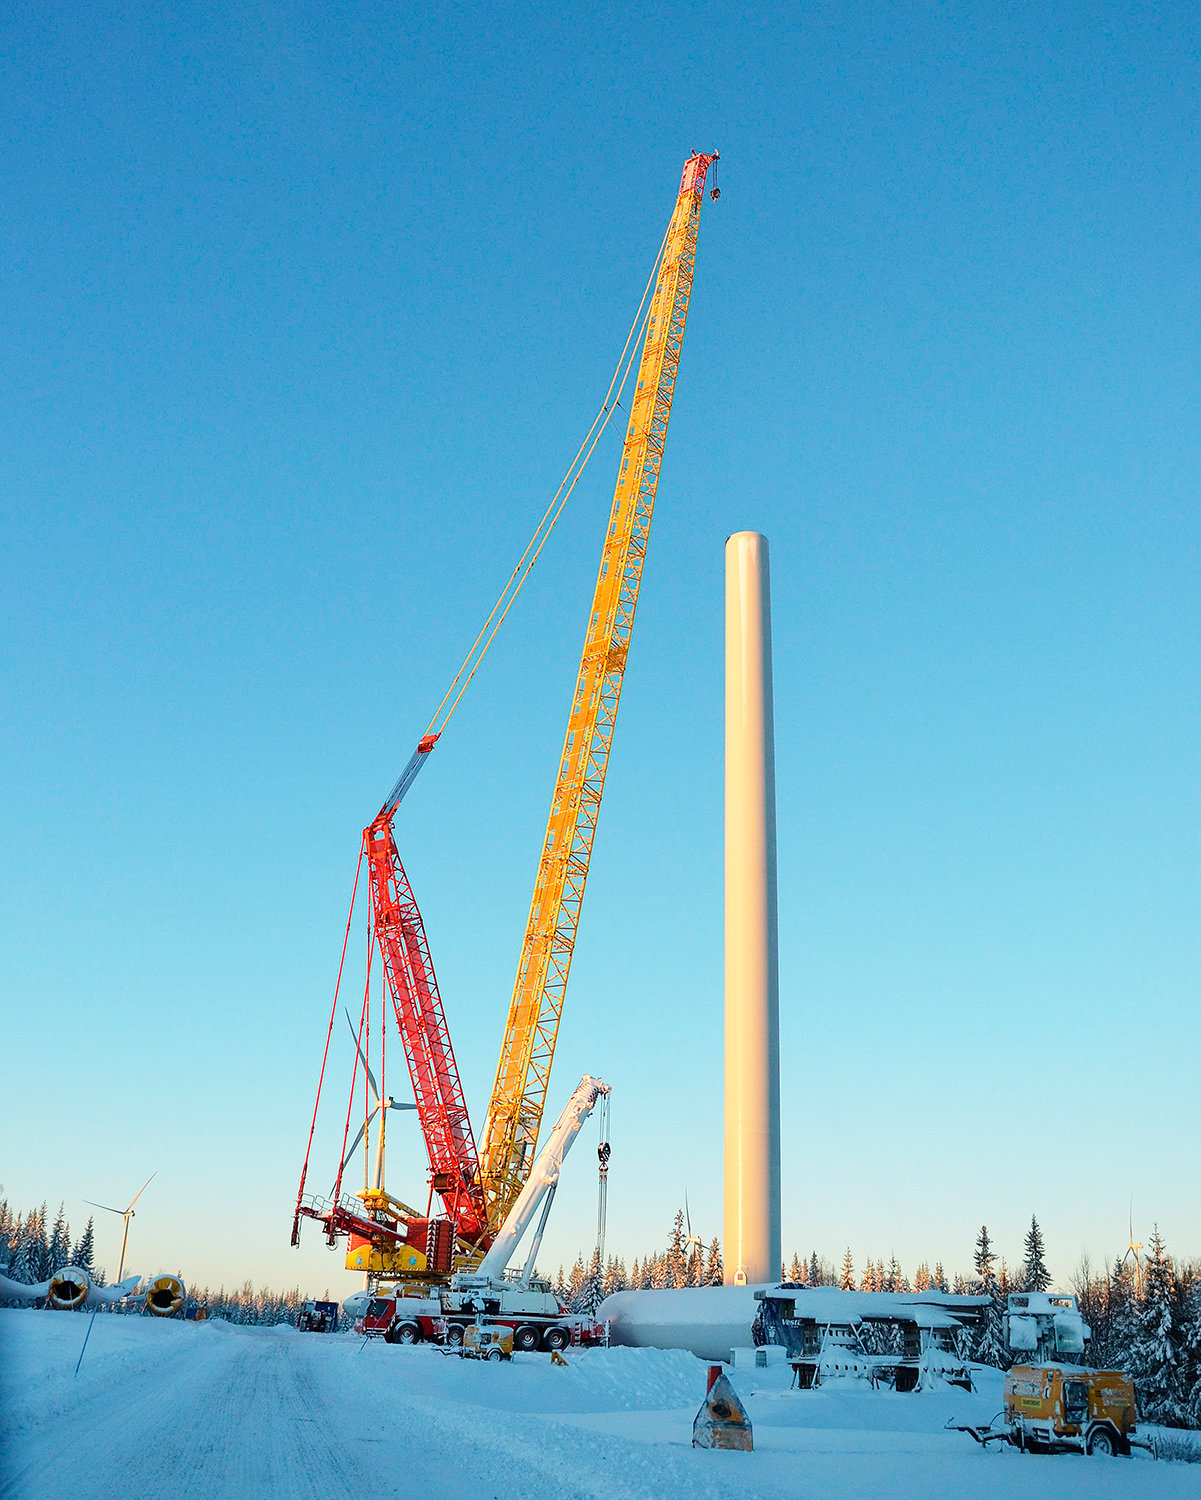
(693, 180)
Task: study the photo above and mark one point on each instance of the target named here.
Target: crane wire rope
(304, 1171)
(354, 1076)
(546, 525)
(365, 1042)
(383, 1068)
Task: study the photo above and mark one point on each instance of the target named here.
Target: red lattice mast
(413, 987)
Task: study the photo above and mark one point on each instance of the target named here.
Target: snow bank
(164, 1409)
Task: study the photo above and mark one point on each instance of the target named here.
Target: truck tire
(556, 1339)
(1103, 1441)
(525, 1337)
(454, 1335)
(404, 1333)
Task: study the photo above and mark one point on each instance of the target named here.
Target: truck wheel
(556, 1339)
(1101, 1441)
(525, 1338)
(454, 1335)
(406, 1333)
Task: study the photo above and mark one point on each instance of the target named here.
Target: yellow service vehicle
(1060, 1408)
(1067, 1406)
(486, 1341)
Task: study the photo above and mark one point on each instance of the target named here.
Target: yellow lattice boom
(523, 1072)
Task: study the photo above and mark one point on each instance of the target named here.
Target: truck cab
(400, 1320)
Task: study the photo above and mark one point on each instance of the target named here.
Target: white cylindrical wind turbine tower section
(751, 1249)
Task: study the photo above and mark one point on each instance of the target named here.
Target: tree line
(33, 1247)
(1145, 1314)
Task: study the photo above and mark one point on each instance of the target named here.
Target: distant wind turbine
(1132, 1254)
(378, 1107)
(126, 1214)
(690, 1239)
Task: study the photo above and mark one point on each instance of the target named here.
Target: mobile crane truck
(492, 1296)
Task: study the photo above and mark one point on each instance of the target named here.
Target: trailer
(1063, 1409)
(901, 1340)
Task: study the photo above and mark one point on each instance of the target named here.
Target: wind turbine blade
(396, 1104)
(142, 1189)
(355, 1038)
(354, 1145)
(687, 1215)
(104, 1206)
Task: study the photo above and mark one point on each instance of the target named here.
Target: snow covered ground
(211, 1410)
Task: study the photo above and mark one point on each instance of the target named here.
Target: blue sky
(305, 310)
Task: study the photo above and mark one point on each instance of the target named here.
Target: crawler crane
(478, 1192)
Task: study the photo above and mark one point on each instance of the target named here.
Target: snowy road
(181, 1410)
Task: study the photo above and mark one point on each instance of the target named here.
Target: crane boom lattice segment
(442, 1109)
(527, 1052)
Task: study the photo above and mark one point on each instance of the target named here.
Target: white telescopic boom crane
(539, 1190)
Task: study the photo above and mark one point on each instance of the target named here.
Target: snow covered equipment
(165, 1295)
(68, 1289)
(1045, 1326)
(484, 1342)
(722, 1421)
(902, 1340)
(1061, 1409)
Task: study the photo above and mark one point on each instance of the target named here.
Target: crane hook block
(424, 746)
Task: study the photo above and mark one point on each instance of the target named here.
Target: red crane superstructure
(413, 989)
(379, 1232)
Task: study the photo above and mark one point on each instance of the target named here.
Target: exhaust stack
(752, 1067)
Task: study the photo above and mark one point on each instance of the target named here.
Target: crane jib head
(693, 180)
(407, 776)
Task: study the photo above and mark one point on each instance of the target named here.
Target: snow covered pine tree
(1034, 1275)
